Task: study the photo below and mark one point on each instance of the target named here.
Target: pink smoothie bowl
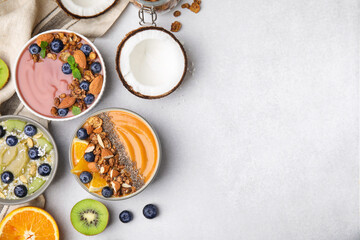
(38, 83)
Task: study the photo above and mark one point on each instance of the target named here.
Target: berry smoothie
(40, 82)
(59, 75)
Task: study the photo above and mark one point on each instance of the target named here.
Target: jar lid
(152, 4)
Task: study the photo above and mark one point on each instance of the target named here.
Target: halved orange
(29, 223)
(97, 183)
(81, 166)
(79, 147)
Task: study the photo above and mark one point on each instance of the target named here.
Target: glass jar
(158, 5)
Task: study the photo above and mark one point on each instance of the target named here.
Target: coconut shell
(68, 12)
(117, 62)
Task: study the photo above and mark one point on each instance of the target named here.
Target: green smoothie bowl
(28, 159)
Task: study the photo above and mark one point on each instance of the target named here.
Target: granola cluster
(107, 159)
(194, 7)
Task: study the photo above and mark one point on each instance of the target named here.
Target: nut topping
(106, 153)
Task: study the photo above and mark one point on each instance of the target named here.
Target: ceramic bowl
(54, 167)
(65, 118)
(146, 184)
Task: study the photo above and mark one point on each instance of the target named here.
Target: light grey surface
(261, 142)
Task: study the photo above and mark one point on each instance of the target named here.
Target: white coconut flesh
(152, 62)
(86, 7)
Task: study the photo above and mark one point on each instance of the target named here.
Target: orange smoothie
(138, 139)
(119, 150)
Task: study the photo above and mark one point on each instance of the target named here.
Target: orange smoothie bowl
(115, 154)
(59, 75)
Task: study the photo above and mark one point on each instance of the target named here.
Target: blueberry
(107, 192)
(34, 48)
(11, 140)
(56, 45)
(44, 169)
(65, 68)
(125, 216)
(150, 211)
(89, 157)
(33, 153)
(20, 191)
(63, 112)
(86, 49)
(89, 99)
(7, 177)
(2, 131)
(85, 85)
(85, 177)
(95, 67)
(82, 134)
(30, 130)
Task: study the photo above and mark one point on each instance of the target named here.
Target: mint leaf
(71, 61)
(76, 110)
(44, 44)
(76, 73)
(43, 53)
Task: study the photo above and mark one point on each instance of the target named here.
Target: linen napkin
(22, 19)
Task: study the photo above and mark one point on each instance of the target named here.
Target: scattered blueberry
(11, 141)
(33, 153)
(86, 49)
(44, 169)
(34, 48)
(2, 131)
(107, 192)
(85, 85)
(85, 177)
(125, 216)
(30, 130)
(89, 99)
(82, 134)
(150, 211)
(20, 191)
(7, 177)
(56, 45)
(65, 68)
(89, 157)
(63, 112)
(95, 67)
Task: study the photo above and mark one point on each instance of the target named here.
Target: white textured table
(261, 142)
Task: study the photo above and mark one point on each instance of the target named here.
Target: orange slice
(79, 148)
(97, 183)
(29, 223)
(81, 166)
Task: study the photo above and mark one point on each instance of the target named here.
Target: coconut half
(151, 62)
(85, 8)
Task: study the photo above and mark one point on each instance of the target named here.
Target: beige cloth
(22, 19)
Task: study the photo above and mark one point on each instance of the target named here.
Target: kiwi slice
(35, 185)
(4, 74)
(12, 124)
(43, 142)
(89, 217)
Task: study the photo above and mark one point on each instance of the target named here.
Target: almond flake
(100, 141)
(90, 148)
(125, 185)
(38, 135)
(23, 179)
(30, 142)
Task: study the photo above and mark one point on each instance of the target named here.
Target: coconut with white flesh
(85, 8)
(151, 62)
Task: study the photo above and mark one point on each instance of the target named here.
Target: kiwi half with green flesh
(89, 217)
